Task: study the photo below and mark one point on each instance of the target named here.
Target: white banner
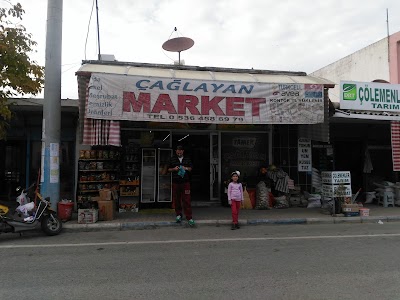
(370, 96)
(141, 98)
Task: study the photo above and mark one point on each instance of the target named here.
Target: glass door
(164, 177)
(197, 148)
(149, 176)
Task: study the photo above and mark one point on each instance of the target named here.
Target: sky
(285, 35)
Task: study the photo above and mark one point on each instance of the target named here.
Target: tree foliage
(19, 75)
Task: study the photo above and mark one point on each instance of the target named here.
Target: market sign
(156, 99)
(371, 96)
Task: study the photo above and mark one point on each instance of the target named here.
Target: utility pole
(50, 165)
(98, 30)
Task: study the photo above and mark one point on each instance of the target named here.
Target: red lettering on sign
(255, 105)
(190, 102)
(163, 103)
(207, 105)
(129, 101)
(234, 106)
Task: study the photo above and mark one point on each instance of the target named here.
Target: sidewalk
(221, 216)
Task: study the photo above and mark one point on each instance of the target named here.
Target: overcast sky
(297, 35)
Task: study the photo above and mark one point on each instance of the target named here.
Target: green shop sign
(370, 96)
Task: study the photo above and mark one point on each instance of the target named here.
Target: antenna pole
(387, 20)
(387, 26)
(98, 30)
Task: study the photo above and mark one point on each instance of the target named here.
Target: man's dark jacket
(186, 162)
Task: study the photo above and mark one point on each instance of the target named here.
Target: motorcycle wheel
(51, 226)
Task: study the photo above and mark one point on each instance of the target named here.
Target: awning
(204, 73)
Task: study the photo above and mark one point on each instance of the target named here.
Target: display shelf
(130, 161)
(97, 181)
(127, 194)
(97, 169)
(133, 182)
(100, 159)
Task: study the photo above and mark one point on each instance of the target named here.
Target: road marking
(204, 241)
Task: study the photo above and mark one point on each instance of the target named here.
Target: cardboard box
(105, 195)
(364, 212)
(87, 216)
(350, 208)
(122, 210)
(351, 214)
(106, 210)
(128, 207)
(352, 205)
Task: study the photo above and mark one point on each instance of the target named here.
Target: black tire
(51, 226)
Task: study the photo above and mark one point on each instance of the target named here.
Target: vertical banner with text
(304, 161)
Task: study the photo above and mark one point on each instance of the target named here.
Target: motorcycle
(23, 215)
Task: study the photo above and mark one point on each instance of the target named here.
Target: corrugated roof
(364, 114)
(200, 73)
(33, 104)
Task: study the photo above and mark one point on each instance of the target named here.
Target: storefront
(364, 129)
(227, 119)
(20, 152)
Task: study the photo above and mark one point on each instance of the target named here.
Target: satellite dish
(178, 44)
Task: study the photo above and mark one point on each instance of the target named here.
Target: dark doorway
(349, 157)
(197, 147)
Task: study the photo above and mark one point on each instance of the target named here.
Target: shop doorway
(197, 147)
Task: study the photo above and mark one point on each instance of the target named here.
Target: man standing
(180, 167)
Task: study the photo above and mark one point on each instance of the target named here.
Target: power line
(87, 34)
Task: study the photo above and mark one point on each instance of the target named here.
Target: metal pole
(388, 35)
(50, 175)
(98, 30)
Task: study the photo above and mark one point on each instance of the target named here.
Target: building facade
(227, 119)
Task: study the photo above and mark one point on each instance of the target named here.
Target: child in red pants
(235, 198)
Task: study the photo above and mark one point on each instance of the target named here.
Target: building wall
(394, 50)
(368, 64)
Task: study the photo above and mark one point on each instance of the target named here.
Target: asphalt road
(335, 261)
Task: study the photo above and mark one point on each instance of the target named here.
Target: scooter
(23, 215)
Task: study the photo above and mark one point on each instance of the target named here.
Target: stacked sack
(314, 201)
(262, 196)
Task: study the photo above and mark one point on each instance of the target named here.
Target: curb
(119, 226)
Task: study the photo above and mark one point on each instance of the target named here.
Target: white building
(361, 137)
(378, 62)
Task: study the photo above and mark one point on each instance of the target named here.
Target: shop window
(13, 168)
(285, 154)
(245, 152)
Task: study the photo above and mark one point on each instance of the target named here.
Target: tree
(19, 75)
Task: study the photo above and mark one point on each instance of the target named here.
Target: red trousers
(181, 197)
(235, 206)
